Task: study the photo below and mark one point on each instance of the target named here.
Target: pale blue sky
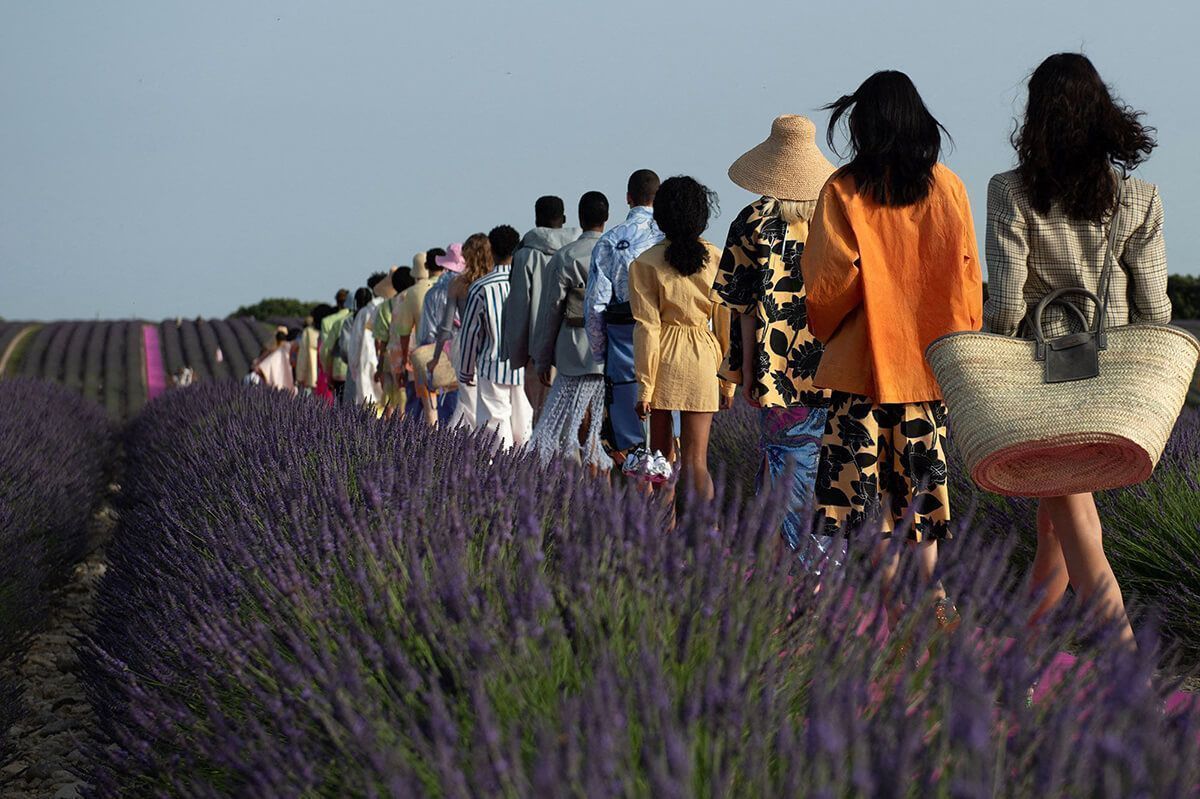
(168, 158)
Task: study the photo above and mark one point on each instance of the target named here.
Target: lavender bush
(307, 602)
(54, 450)
(193, 349)
(34, 348)
(733, 449)
(237, 362)
(93, 369)
(116, 370)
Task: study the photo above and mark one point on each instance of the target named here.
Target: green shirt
(383, 322)
(331, 328)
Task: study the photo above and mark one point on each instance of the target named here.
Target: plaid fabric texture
(1031, 254)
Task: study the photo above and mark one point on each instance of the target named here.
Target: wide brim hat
(419, 272)
(453, 260)
(788, 165)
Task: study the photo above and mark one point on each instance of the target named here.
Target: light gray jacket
(525, 289)
(559, 337)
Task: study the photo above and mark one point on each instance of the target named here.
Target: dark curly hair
(1073, 134)
(894, 139)
(682, 209)
(504, 240)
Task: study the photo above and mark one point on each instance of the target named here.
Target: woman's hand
(748, 394)
(643, 409)
(726, 401)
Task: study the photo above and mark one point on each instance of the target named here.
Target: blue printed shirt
(608, 279)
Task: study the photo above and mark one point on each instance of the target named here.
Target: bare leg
(1077, 526)
(926, 553)
(662, 438)
(694, 430)
(1049, 567)
(429, 404)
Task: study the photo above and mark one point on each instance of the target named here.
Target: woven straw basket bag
(1085, 412)
(444, 378)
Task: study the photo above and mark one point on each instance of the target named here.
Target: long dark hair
(1074, 133)
(682, 209)
(894, 139)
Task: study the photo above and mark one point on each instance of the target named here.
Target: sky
(164, 159)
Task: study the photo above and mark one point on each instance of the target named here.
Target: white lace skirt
(567, 408)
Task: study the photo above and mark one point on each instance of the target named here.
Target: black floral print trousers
(883, 467)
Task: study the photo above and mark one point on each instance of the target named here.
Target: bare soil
(48, 741)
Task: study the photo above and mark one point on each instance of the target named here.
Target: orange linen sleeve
(830, 263)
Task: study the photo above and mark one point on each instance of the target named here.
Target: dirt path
(47, 740)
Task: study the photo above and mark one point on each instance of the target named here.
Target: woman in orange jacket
(890, 265)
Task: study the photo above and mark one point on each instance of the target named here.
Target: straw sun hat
(788, 165)
(419, 272)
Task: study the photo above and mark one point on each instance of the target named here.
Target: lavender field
(116, 364)
(55, 457)
(309, 602)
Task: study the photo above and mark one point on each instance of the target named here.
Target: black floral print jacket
(759, 276)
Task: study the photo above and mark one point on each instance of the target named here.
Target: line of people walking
(614, 347)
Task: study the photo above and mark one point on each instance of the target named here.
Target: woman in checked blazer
(1047, 229)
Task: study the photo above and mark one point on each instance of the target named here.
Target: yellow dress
(682, 333)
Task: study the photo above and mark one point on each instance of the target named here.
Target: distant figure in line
(502, 405)
(438, 402)
(465, 273)
(273, 367)
(347, 343)
(573, 414)
(391, 345)
(332, 360)
(306, 355)
(521, 307)
(682, 332)
(607, 315)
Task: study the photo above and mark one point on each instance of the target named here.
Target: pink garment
(323, 390)
(156, 375)
(275, 368)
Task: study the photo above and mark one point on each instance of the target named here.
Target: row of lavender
(105, 361)
(309, 602)
(215, 349)
(54, 452)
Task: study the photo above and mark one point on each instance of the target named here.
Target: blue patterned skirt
(791, 443)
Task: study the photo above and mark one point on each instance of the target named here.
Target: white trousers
(464, 412)
(505, 410)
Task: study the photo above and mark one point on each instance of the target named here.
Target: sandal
(948, 619)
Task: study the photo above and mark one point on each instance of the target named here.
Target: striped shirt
(480, 336)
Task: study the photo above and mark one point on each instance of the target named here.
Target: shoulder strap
(1110, 255)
